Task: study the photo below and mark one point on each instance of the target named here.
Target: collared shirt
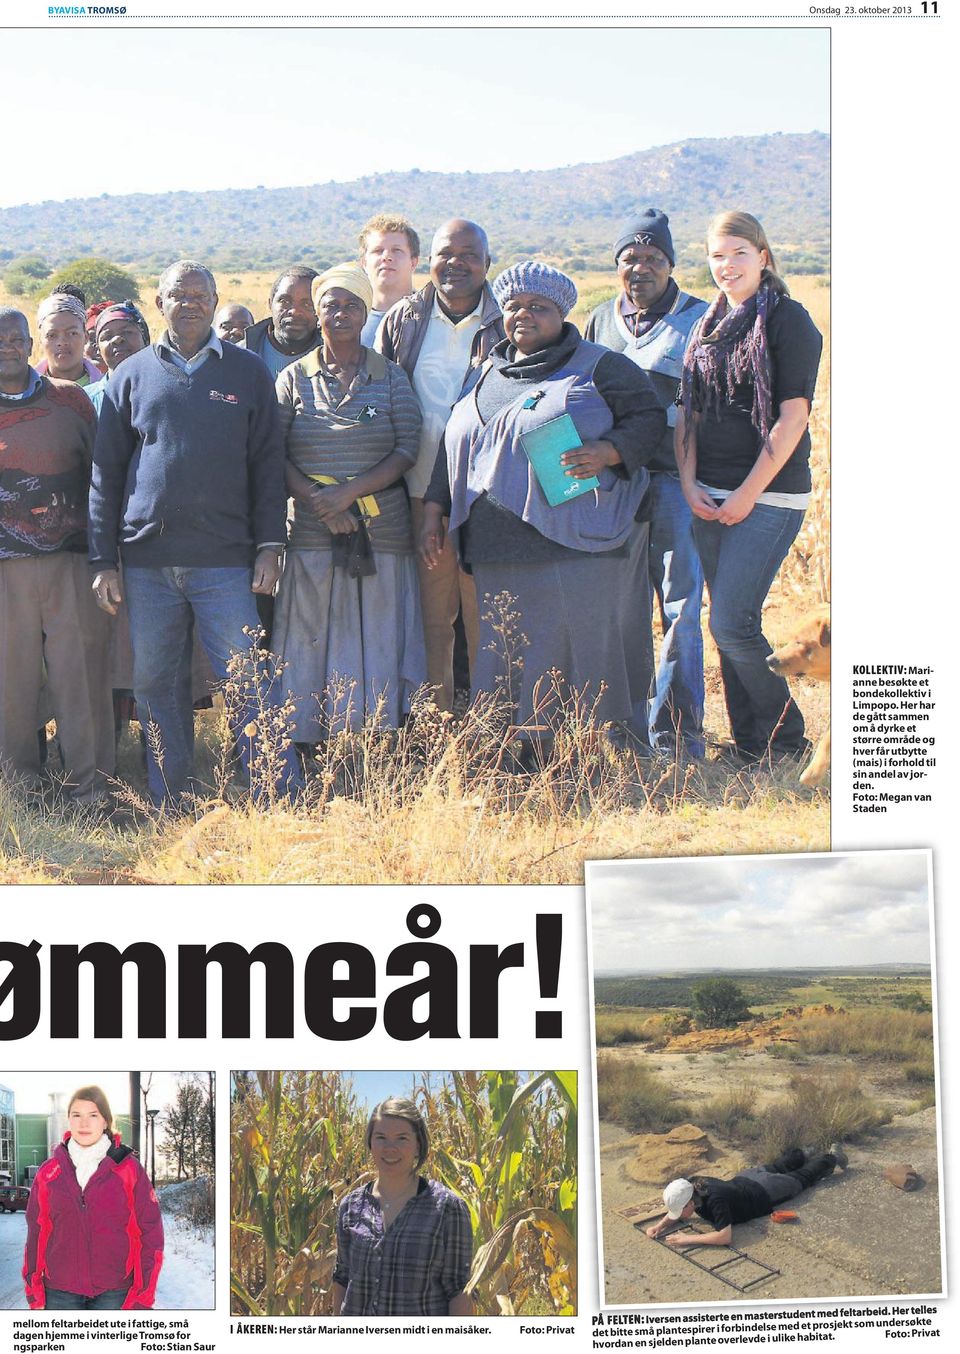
(416, 1267)
(636, 321)
(189, 364)
(33, 382)
(442, 366)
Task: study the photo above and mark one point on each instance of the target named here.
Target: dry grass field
(437, 811)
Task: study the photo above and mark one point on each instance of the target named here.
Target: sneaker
(837, 1152)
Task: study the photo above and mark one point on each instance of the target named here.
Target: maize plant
(297, 1146)
(509, 1149)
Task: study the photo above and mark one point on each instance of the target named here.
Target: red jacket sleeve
(146, 1267)
(38, 1229)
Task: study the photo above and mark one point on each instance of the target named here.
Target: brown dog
(808, 655)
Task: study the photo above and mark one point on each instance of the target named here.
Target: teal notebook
(544, 447)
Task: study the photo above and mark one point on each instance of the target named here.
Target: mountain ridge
(570, 214)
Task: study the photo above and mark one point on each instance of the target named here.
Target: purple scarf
(730, 349)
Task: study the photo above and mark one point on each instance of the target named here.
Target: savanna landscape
(713, 1071)
(439, 802)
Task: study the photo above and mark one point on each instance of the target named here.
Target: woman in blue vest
(558, 585)
(743, 449)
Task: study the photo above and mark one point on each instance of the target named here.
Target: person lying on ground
(753, 1193)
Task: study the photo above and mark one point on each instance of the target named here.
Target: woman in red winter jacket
(94, 1234)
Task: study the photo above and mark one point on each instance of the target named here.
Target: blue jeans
(59, 1300)
(740, 563)
(676, 707)
(164, 605)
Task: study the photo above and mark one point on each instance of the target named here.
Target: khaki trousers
(48, 616)
(443, 591)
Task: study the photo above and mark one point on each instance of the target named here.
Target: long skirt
(350, 647)
(588, 619)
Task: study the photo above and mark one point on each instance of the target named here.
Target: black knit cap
(650, 227)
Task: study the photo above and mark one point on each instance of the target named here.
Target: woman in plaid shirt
(404, 1243)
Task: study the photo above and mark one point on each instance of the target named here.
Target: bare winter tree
(188, 1146)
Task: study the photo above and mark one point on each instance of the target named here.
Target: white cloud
(763, 912)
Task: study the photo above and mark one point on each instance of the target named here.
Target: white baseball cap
(676, 1196)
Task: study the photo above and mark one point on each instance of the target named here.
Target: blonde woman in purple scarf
(743, 450)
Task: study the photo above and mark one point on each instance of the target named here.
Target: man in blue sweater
(188, 487)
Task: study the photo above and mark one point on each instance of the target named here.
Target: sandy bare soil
(856, 1234)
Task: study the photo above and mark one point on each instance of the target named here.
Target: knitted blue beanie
(541, 280)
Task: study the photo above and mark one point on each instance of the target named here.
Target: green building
(31, 1145)
(8, 1134)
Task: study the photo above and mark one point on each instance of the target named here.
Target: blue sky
(236, 108)
(372, 1087)
(761, 912)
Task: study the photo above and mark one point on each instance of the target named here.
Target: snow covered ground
(13, 1236)
(186, 1280)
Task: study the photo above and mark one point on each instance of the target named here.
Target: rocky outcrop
(781, 1029)
(656, 1158)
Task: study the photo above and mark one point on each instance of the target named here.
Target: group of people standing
(395, 427)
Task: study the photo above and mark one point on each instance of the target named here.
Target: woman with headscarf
(348, 628)
(743, 449)
(576, 568)
(119, 330)
(90, 349)
(62, 328)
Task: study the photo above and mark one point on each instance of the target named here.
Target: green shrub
(912, 1001)
(25, 275)
(99, 280)
(719, 1002)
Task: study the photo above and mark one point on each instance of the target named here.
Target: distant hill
(856, 984)
(570, 215)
